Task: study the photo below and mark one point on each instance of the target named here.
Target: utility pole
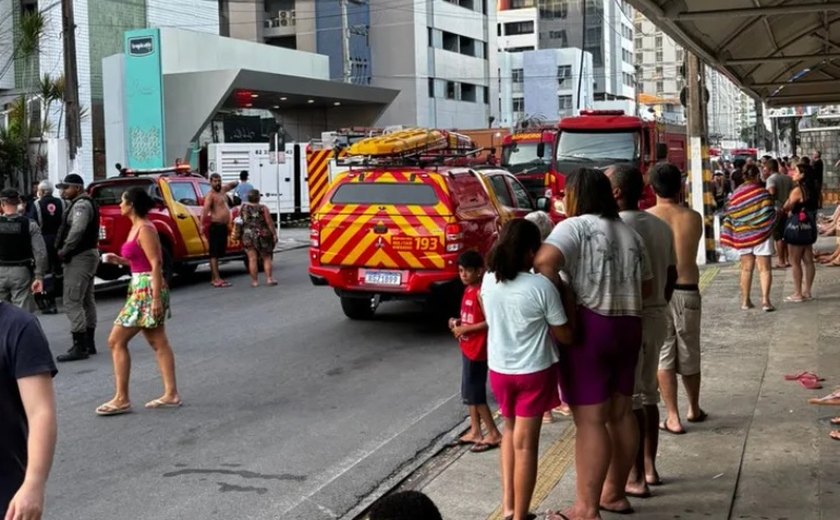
(345, 42)
(760, 130)
(702, 199)
(71, 80)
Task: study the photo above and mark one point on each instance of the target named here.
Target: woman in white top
(521, 309)
(608, 265)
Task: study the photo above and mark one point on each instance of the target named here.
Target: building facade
(659, 61)
(99, 33)
(543, 85)
(603, 28)
(435, 52)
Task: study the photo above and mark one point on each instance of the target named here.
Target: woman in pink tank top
(145, 309)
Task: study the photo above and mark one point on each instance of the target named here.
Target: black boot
(90, 341)
(40, 302)
(77, 352)
(51, 307)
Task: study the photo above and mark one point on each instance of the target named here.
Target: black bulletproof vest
(15, 241)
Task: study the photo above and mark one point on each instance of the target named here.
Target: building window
(520, 49)
(522, 4)
(431, 87)
(565, 102)
(554, 9)
(498, 29)
(680, 55)
(468, 92)
(466, 4)
(559, 35)
(658, 71)
(658, 41)
(515, 28)
(450, 90)
(659, 56)
(660, 87)
(487, 95)
(518, 105)
(564, 73)
(516, 75)
(431, 37)
(450, 41)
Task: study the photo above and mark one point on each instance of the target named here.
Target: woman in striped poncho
(748, 227)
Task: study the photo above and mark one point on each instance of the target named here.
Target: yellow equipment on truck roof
(415, 140)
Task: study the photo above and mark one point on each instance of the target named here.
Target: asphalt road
(291, 410)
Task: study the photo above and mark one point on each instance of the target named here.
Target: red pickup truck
(179, 194)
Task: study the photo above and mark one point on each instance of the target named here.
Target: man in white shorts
(628, 183)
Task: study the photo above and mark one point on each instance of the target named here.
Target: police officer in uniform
(22, 249)
(76, 246)
(47, 211)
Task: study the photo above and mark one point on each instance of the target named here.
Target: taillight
(454, 238)
(315, 234)
(103, 232)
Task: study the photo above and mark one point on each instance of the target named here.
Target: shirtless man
(215, 220)
(680, 353)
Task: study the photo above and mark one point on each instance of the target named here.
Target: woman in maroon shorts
(610, 270)
(521, 308)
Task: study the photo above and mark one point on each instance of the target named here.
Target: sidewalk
(290, 238)
(763, 452)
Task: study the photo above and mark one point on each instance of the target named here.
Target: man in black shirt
(27, 413)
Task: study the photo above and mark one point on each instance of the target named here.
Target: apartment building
(435, 52)
(543, 84)
(602, 28)
(99, 33)
(658, 62)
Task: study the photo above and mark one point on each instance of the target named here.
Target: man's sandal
(108, 409)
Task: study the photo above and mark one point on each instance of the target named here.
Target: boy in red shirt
(471, 332)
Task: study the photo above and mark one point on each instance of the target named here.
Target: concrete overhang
(783, 52)
(193, 98)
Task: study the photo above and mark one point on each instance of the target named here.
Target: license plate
(383, 278)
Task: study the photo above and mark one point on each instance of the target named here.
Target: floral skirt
(137, 311)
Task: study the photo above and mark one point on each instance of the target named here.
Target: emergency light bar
(602, 112)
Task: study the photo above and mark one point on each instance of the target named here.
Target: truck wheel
(185, 270)
(168, 269)
(357, 308)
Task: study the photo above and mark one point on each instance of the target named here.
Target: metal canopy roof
(785, 52)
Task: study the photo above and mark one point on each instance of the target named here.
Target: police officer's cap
(72, 179)
(10, 196)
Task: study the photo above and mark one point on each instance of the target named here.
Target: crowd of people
(602, 313)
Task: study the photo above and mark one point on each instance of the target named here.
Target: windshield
(385, 193)
(598, 146)
(110, 194)
(519, 154)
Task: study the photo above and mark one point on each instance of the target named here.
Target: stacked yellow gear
(415, 140)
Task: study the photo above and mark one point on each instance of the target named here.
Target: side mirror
(661, 151)
(543, 204)
(541, 150)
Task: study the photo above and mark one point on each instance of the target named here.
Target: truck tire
(185, 270)
(168, 267)
(357, 308)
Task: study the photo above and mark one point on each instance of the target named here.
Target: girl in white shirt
(521, 309)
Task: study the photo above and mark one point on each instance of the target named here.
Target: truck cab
(602, 138)
(529, 156)
(179, 197)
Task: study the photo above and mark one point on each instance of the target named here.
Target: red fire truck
(594, 139)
